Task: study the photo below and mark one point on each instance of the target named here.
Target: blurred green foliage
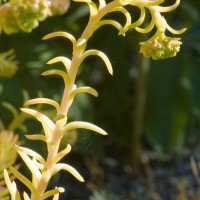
(171, 107)
(172, 89)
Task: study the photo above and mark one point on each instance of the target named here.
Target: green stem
(66, 101)
(138, 108)
(53, 151)
(53, 147)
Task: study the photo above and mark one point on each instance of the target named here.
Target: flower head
(160, 47)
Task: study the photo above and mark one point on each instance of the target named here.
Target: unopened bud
(160, 47)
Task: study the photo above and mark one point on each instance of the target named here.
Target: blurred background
(151, 109)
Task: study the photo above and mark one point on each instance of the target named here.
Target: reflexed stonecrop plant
(25, 15)
(8, 156)
(159, 46)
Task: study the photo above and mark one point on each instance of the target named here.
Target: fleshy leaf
(102, 3)
(140, 20)
(43, 101)
(64, 60)
(41, 117)
(56, 197)
(38, 165)
(92, 6)
(31, 153)
(23, 179)
(10, 186)
(62, 153)
(61, 34)
(32, 167)
(152, 3)
(84, 125)
(38, 137)
(175, 31)
(63, 74)
(148, 28)
(95, 52)
(116, 24)
(168, 8)
(85, 89)
(52, 192)
(26, 197)
(70, 169)
(128, 19)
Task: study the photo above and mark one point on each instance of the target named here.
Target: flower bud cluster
(59, 7)
(160, 47)
(25, 15)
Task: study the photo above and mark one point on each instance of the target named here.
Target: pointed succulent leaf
(38, 137)
(147, 29)
(63, 74)
(56, 197)
(92, 6)
(61, 34)
(31, 153)
(152, 3)
(128, 19)
(84, 125)
(23, 179)
(62, 166)
(62, 153)
(64, 60)
(43, 101)
(140, 20)
(38, 164)
(102, 3)
(40, 117)
(31, 165)
(114, 23)
(177, 32)
(26, 197)
(167, 8)
(17, 196)
(52, 192)
(48, 132)
(85, 89)
(95, 52)
(10, 187)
